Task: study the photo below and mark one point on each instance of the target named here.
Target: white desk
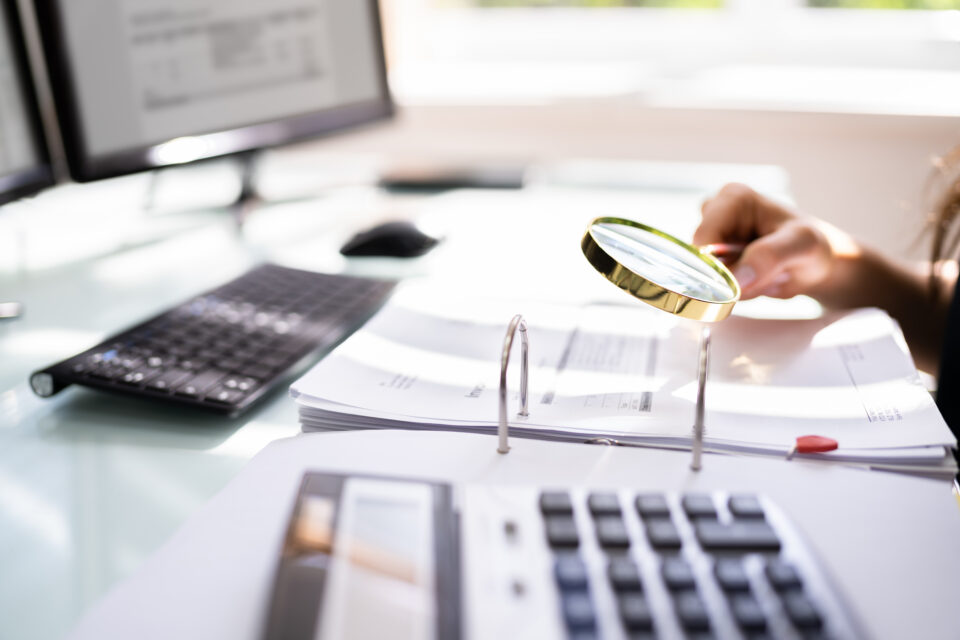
(91, 485)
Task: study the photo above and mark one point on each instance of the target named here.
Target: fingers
(729, 216)
(784, 262)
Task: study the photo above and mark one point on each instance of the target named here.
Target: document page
(629, 372)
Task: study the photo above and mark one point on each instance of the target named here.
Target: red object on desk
(812, 444)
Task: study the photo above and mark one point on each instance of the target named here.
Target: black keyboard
(226, 348)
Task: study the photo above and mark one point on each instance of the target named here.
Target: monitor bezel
(26, 182)
(84, 167)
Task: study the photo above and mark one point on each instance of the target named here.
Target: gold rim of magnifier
(656, 295)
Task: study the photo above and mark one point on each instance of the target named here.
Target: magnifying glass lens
(663, 262)
(661, 270)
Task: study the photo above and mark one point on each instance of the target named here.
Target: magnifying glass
(671, 275)
(661, 270)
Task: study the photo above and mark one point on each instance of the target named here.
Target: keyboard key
(578, 610)
(663, 534)
(222, 395)
(745, 506)
(556, 503)
(624, 575)
(570, 572)
(604, 504)
(801, 611)
(168, 380)
(748, 613)
(740, 535)
(677, 574)
(652, 505)
(782, 575)
(612, 533)
(698, 505)
(562, 532)
(635, 612)
(731, 575)
(200, 383)
(140, 376)
(691, 611)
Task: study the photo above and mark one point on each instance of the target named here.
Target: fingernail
(782, 278)
(745, 275)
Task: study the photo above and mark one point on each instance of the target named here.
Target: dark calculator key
(652, 505)
(578, 610)
(663, 534)
(562, 532)
(677, 574)
(570, 572)
(745, 506)
(612, 533)
(624, 575)
(731, 574)
(740, 535)
(583, 634)
(555, 503)
(691, 611)
(748, 613)
(801, 611)
(604, 504)
(782, 575)
(168, 380)
(698, 505)
(635, 612)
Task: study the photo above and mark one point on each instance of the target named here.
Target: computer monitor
(141, 84)
(24, 161)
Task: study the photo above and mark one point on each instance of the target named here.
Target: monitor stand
(239, 208)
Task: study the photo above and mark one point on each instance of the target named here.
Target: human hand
(786, 253)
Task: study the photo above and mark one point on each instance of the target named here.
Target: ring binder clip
(503, 429)
(698, 426)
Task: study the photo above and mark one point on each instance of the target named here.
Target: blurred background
(855, 98)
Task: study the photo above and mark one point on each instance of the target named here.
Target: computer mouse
(398, 239)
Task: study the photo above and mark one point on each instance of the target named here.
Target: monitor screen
(24, 162)
(147, 83)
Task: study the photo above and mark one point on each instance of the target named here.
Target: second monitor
(141, 84)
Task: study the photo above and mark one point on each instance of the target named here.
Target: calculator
(368, 557)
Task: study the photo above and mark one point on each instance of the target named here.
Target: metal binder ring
(503, 428)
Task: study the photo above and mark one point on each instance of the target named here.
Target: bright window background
(883, 56)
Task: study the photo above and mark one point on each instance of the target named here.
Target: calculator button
(782, 576)
(677, 574)
(604, 504)
(699, 506)
(612, 533)
(731, 575)
(570, 572)
(555, 503)
(691, 611)
(747, 612)
(578, 610)
(740, 535)
(562, 532)
(801, 611)
(652, 505)
(635, 612)
(624, 575)
(663, 534)
(745, 506)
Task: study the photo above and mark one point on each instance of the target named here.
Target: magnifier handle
(726, 251)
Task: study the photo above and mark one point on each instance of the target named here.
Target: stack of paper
(628, 373)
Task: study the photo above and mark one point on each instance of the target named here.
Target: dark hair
(945, 181)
